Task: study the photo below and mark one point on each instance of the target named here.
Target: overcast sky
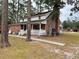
(65, 13)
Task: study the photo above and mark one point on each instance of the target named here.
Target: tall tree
(39, 6)
(12, 11)
(0, 7)
(56, 13)
(22, 12)
(29, 21)
(55, 5)
(4, 25)
(18, 11)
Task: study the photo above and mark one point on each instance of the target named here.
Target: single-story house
(40, 26)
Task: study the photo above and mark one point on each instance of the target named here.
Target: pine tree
(4, 25)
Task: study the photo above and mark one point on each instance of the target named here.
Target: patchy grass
(20, 49)
(71, 48)
(24, 50)
(67, 37)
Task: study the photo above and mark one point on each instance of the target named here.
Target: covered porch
(36, 29)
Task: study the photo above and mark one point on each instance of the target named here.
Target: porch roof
(35, 18)
(35, 22)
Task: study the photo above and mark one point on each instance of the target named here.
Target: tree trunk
(4, 25)
(55, 17)
(14, 20)
(56, 14)
(18, 12)
(29, 21)
(57, 24)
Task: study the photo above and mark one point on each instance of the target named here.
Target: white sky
(65, 12)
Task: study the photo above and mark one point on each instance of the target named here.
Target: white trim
(33, 32)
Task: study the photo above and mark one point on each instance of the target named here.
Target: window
(24, 27)
(36, 26)
(21, 26)
(43, 26)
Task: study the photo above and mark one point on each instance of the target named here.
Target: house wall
(14, 28)
(58, 25)
(35, 30)
(52, 24)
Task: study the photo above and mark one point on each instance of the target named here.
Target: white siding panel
(44, 22)
(34, 18)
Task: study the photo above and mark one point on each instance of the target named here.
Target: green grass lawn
(24, 50)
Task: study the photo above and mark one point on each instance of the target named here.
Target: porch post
(39, 25)
(39, 28)
(32, 26)
(32, 29)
